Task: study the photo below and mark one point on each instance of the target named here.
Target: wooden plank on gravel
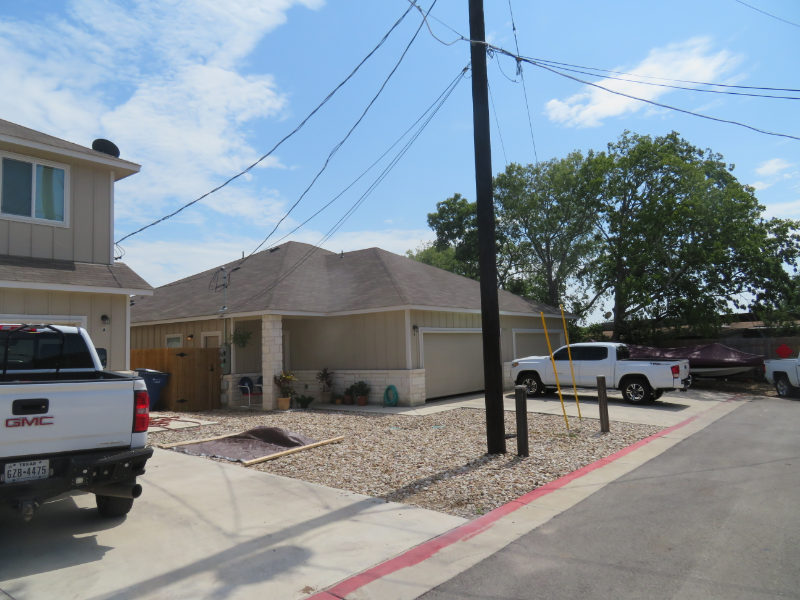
(247, 463)
(211, 439)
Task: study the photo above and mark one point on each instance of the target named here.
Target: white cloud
(773, 167)
(783, 210)
(691, 60)
(161, 80)
(760, 185)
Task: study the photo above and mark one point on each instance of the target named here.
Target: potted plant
(284, 381)
(325, 379)
(304, 401)
(337, 399)
(240, 337)
(361, 391)
(348, 396)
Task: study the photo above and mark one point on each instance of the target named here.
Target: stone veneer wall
(271, 356)
(410, 384)
(508, 383)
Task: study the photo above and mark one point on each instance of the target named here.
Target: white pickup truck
(783, 374)
(640, 381)
(65, 423)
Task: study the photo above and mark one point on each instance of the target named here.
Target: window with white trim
(175, 341)
(33, 190)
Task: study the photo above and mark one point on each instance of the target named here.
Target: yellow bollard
(555, 371)
(571, 368)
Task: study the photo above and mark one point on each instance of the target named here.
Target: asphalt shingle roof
(46, 270)
(297, 278)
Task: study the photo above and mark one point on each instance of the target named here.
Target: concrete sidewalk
(670, 410)
(204, 530)
(714, 517)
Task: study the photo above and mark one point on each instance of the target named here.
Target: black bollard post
(521, 402)
(602, 400)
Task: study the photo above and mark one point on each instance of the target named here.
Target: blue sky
(195, 90)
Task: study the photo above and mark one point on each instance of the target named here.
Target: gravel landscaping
(436, 461)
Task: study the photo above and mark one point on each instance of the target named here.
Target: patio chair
(246, 387)
(259, 385)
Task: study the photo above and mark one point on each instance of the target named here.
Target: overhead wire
(497, 122)
(339, 145)
(651, 102)
(286, 137)
(763, 12)
(522, 77)
(440, 102)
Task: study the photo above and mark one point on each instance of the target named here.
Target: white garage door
(453, 363)
(534, 344)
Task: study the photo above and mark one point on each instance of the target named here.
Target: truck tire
(657, 394)
(533, 382)
(109, 506)
(784, 388)
(637, 390)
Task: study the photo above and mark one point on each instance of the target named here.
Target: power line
(675, 87)
(295, 130)
(440, 102)
(497, 121)
(522, 77)
(766, 13)
(681, 110)
(344, 139)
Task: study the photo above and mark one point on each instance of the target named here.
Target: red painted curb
(468, 530)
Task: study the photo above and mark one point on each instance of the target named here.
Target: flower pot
(325, 397)
(284, 403)
(362, 400)
(348, 399)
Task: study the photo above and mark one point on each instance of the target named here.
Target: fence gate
(195, 376)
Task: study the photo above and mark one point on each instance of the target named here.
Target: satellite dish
(106, 147)
(608, 315)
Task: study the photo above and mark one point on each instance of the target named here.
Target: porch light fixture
(416, 329)
(105, 320)
(190, 336)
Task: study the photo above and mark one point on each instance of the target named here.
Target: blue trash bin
(155, 382)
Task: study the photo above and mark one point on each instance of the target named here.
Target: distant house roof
(299, 278)
(18, 135)
(46, 273)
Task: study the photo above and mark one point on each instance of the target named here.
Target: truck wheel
(784, 388)
(637, 390)
(109, 506)
(533, 383)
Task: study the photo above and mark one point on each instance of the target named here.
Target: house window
(33, 190)
(175, 341)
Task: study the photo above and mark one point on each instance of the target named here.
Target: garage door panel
(533, 344)
(453, 363)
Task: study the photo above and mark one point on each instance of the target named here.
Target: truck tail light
(676, 370)
(141, 411)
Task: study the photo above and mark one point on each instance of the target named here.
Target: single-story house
(366, 315)
(56, 239)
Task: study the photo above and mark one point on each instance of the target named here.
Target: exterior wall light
(105, 320)
(416, 329)
(190, 336)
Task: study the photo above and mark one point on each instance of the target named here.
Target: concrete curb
(426, 566)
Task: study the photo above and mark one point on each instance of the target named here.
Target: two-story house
(56, 239)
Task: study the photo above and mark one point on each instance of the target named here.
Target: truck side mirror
(103, 356)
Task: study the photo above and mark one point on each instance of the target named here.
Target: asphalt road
(716, 516)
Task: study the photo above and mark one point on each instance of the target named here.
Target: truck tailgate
(80, 416)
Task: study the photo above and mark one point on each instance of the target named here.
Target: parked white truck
(639, 380)
(783, 374)
(65, 423)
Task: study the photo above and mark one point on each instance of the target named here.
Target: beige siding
(248, 359)
(88, 237)
(370, 341)
(112, 337)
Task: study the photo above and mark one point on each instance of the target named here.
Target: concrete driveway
(206, 530)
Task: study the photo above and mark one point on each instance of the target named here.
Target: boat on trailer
(706, 360)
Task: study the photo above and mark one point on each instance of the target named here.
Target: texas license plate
(27, 471)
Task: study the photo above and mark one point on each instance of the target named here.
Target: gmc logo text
(26, 422)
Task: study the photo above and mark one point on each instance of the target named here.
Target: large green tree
(682, 239)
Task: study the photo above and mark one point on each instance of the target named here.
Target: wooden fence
(195, 376)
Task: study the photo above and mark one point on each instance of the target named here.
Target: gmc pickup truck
(640, 381)
(783, 374)
(67, 424)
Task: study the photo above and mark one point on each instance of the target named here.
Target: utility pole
(490, 307)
